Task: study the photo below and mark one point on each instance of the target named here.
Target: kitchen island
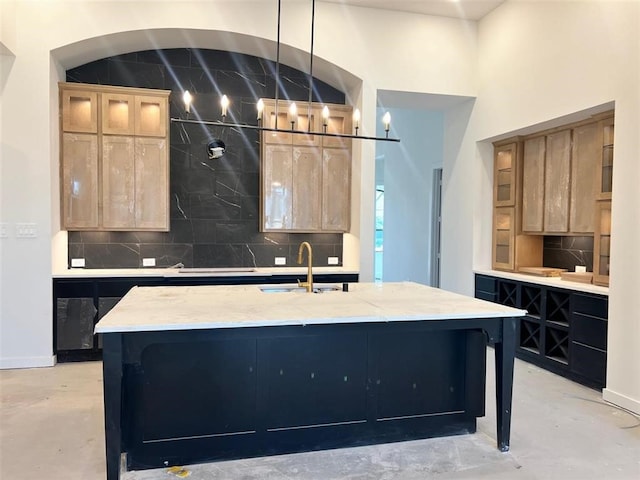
(202, 373)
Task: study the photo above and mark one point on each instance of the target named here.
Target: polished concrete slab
(51, 427)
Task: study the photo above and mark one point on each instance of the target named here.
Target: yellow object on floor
(179, 472)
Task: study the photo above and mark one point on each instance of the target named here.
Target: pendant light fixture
(293, 109)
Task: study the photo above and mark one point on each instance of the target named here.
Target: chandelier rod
(277, 79)
(218, 123)
(313, 22)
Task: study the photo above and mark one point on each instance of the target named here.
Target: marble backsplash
(567, 252)
(214, 203)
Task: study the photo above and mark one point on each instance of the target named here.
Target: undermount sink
(296, 289)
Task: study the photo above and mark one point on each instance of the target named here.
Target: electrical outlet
(77, 262)
(148, 262)
(280, 260)
(3, 230)
(333, 260)
(26, 230)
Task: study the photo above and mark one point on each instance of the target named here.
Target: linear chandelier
(293, 111)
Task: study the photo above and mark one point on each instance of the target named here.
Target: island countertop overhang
(146, 309)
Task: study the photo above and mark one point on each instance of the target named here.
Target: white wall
(55, 35)
(408, 177)
(539, 61)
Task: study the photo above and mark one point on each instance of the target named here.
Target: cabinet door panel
(306, 198)
(503, 240)
(533, 185)
(151, 180)
(602, 243)
(79, 111)
(118, 186)
(504, 180)
(75, 318)
(118, 114)
(79, 181)
(269, 120)
(316, 380)
(584, 165)
(336, 182)
(340, 121)
(214, 382)
(557, 178)
(419, 373)
(151, 116)
(277, 167)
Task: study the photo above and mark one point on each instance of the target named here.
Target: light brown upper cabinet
(533, 185)
(585, 158)
(79, 111)
(560, 180)
(604, 181)
(505, 175)
(556, 183)
(305, 181)
(116, 177)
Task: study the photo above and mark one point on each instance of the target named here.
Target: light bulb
(187, 98)
(260, 107)
(387, 121)
(224, 103)
(356, 118)
(293, 114)
(325, 115)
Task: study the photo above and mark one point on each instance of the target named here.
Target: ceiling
(466, 9)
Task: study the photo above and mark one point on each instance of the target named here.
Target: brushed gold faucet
(309, 283)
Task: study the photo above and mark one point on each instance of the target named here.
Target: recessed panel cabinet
(557, 178)
(116, 176)
(305, 179)
(80, 180)
(533, 185)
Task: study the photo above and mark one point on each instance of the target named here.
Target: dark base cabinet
(205, 395)
(78, 304)
(564, 331)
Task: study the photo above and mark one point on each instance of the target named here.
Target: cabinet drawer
(489, 297)
(591, 305)
(589, 330)
(589, 362)
(486, 285)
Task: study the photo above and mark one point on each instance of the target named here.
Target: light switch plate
(26, 230)
(280, 260)
(148, 262)
(77, 262)
(333, 260)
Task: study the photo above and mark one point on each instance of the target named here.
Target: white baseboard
(27, 362)
(621, 400)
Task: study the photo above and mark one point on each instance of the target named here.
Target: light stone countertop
(548, 281)
(197, 272)
(205, 307)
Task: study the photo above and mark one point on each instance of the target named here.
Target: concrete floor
(51, 427)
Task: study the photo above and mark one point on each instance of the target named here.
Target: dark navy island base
(191, 396)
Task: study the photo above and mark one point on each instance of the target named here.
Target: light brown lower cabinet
(305, 189)
(80, 180)
(511, 249)
(134, 171)
(336, 189)
(602, 243)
